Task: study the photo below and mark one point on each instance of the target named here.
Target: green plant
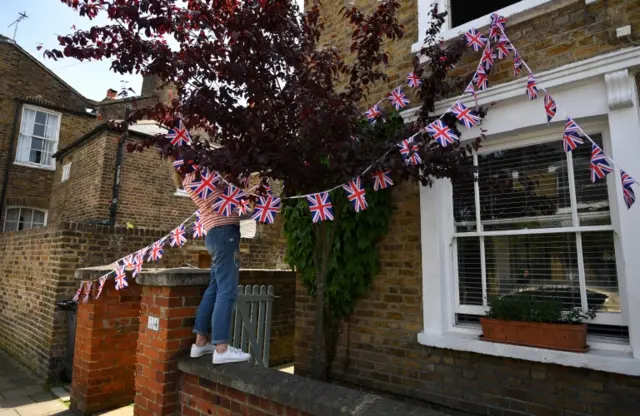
(528, 308)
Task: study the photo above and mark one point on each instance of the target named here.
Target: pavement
(22, 393)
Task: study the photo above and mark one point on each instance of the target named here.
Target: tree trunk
(319, 365)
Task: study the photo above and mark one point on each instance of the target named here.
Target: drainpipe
(12, 142)
(113, 211)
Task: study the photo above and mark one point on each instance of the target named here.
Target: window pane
(13, 214)
(35, 155)
(592, 198)
(39, 129)
(52, 126)
(464, 203)
(469, 271)
(41, 118)
(543, 265)
(600, 271)
(462, 12)
(525, 187)
(38, 218)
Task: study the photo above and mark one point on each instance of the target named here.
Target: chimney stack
(153, 85)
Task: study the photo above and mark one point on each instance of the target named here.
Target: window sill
(181, 192)
(516, 13)
(611, 361)
(35, 166)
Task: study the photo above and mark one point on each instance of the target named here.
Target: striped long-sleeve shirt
(209, 217)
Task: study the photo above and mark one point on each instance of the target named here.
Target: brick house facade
(415, 334)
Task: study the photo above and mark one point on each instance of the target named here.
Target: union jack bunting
(382, 179)
(627, 190)
(475, 40)
(373, 113)
(87, 292)
(128, 262)
(356, 194)
(600, 166)
(497, 26)
(470, 89)
(142, 252)
(571, 138)
(504, 47)
(101, 281)
(320, 207)
(179, 163)
(487, 58)
(198, 229)
(550, 107)
(481, 79)
(413, 80)
(76, 297)
(244, 207)
(178, 135)
(409, 152)
(266, 209)
(494, 33)
(532, 88)
(442, 133)
(206, 185)
(244, 180)
(121, 278)
(517, 63)
(571, 128)
(137, 265)
(465, 115)
(156, 251)
(229, 200)
(178, 237)
(398, 99)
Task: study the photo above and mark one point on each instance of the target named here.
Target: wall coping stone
(178, 276)
(304, 394)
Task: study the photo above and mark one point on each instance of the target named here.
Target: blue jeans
(216, 308)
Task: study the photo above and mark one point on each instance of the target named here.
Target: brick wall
(36, 270)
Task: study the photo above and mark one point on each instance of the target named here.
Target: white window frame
(66, 172)
(602, 318)
(10, 207)
(27, 163)
(518, 12)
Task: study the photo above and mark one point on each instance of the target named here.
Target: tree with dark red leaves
(256, 77)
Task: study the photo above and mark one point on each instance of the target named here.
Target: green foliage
(353, 260)
(529, 308)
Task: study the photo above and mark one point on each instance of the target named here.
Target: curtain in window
(26, 131)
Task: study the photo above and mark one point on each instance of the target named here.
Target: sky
(49, 18)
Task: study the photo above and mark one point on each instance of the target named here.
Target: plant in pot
(524, 319)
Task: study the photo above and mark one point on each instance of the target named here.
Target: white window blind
(21, 218)
(533, 223)
(38, 138)
(66, 172)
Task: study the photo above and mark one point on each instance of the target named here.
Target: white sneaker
(200, 351)
(231, 355)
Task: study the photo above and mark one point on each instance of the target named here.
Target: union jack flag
(497, 25)
(487, 58)
(373, 113)
(409, 151)
(156, 251)
(320, 207)
(532, 89)
(398, 99)
(571, 128)
(229, 200)
(244, 180)
(571, 138)
(465, 115)
(442, 133)
(475, 40)
(76, 297)
(382, 179)
(128, 262)
(179, 135)
(87, 292)
(101, 281)
(517, 63)
(198, 229)
(179, 163)
(481, 79)
(137, 265)
(121, 278)
(504, 47)
(550, 107)
(471, 90)
(178, 237)
(266, 209)
(206, 185)
(494, 33)
(600, 166)
(244, 207)
(627, 190)
(413, 80)
(356, 194)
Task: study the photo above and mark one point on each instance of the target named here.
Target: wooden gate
(252, 321)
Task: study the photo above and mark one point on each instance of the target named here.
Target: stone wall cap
(309, 396)
(178, 276)
(91, 273)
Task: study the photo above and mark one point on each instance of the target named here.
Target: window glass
(23, 218)
(462, 11)
(38, 137)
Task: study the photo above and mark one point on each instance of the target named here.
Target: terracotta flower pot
(564, 337)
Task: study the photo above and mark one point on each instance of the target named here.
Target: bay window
(532, 223)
